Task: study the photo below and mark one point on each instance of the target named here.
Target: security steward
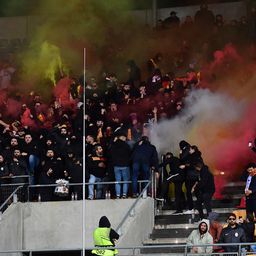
(105, 236)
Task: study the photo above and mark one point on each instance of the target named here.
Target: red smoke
(233, 154)
(13, 108)
(61, 92)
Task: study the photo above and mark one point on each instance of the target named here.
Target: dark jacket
(30, 148)
(4, 170)
(232, 235)
(171, 167)
(95, 169)
(18, 167)
(57, 170)
(145, 153)
(206, 181)
(249, 228)
(105, 223)
(252, 187)
(120, 153)
(4, 173)
(74, 168)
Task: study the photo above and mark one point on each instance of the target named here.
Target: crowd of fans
(45, 139)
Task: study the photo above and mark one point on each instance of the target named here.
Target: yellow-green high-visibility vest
(101, 238)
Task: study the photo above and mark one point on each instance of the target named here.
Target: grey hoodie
(195, 238)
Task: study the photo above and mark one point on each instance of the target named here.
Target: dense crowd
(43, 139)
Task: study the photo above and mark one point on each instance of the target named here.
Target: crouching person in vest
(105, 236)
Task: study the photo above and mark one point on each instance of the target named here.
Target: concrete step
(227, 202)
(163, 251)
(171, 233)
(177, 250)
(184, 219)
(165, 241)
(218, 210)
(234, 188)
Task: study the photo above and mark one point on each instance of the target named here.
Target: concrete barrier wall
(58, 225)
(11, 230)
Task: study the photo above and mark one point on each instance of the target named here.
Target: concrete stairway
(172, 229)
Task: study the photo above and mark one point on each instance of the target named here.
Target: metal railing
(132, 208)
(136, 250)
(12, 195)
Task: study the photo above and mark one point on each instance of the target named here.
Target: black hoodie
(105, 223)
(120, 153)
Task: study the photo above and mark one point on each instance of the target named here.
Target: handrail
(14, 177)
(143, 247)
(10, 196)
(13, 184)
(133, 206)
(87, 183)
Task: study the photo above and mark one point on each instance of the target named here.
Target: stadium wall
(58, 225)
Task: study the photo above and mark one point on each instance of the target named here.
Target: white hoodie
(195, 238)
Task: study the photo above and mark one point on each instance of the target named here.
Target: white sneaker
(160, 199)
(189, 211)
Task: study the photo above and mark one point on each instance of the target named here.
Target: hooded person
(104, 236)
(201, 236)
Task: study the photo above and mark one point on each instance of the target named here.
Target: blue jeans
(253, 248)
(137, 167)
(122, 173)
(33, 162)
(99, 187)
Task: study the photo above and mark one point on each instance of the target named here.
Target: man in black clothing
(172, 173)
(10, 147)
(51, 170)
(30, 152)
(74, 172)
(18, 167)
(204, 189)
(172, 21)
(250, 190)
(144, 157)
(187, 160)
(120, 154)
(97, 166)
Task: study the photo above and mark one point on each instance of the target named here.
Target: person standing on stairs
(204, 189)
(172, 173)
(250, 190)
(189, 157)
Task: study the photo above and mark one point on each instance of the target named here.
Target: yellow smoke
(50, 60)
